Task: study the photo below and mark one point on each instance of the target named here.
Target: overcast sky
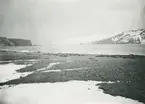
(62, 21)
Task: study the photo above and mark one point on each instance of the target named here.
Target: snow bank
(72, 92)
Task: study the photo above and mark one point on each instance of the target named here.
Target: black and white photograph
(72, 51)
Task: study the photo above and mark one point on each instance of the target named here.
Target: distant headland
(14, 42)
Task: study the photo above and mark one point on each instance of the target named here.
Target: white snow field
(72, 92)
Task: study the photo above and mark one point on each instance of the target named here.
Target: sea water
(121, 49)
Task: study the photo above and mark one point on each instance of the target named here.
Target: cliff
(14, 42)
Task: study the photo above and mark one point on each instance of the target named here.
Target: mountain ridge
(127, 37)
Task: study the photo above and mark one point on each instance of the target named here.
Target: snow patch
(72, 92)
(59, 70)
(49, 66)
(8, 72)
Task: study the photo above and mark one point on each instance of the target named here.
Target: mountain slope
(128, 37)
(14, 42)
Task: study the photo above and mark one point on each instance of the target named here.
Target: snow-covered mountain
(127, 37)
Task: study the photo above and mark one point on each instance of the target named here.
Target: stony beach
(115, 75)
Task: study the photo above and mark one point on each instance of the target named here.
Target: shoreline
(16, 55)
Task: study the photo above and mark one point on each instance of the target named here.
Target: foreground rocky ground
(126, 73)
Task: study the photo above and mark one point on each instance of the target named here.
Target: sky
(49, 22)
